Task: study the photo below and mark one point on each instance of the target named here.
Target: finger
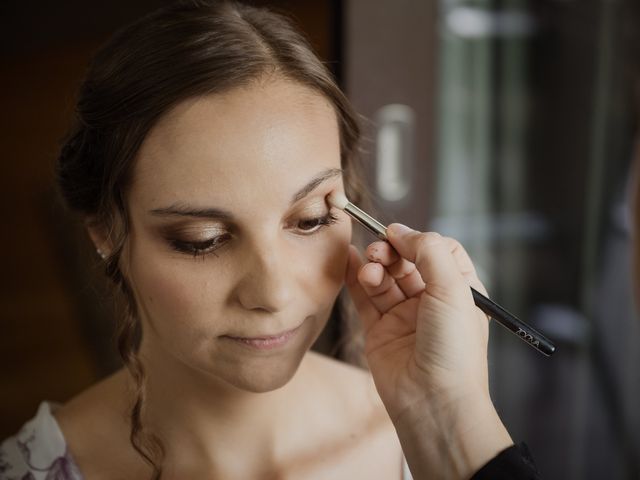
(382, 252)
(381, 287)
(404, 272)
(465, 265)
(431, 255)
(407, 277)
(372, 278)
(367, 311)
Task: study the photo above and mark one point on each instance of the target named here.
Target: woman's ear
(99, 236)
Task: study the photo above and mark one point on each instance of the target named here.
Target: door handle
(394, 151)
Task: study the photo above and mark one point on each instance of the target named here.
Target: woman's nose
(267, 282)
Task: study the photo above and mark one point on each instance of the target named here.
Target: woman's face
(232, 240)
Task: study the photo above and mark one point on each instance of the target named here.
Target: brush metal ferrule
(367, 221)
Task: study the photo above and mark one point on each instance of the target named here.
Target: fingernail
(399, 229)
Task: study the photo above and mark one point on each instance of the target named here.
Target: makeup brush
(489, 307)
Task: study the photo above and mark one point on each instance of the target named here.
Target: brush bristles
(338, 200)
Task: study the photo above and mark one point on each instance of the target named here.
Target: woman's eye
(312, 225)
(200, 248)
(204, 247)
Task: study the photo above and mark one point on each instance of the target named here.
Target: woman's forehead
(260, 137)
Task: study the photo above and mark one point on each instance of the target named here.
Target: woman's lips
(267, 342)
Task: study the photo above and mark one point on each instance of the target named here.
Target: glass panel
(534, 145)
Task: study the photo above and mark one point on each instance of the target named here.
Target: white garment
(406, 474)
(39, 451)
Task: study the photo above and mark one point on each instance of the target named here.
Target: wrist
(452, 435)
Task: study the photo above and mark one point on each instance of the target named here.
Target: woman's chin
(263, 368)
(266, 377)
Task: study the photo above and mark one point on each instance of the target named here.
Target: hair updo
(185, 50)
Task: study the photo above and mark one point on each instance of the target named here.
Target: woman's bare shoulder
(359, 417)
(102, 400)
(350, 393)
(346, 379)
(95, 428)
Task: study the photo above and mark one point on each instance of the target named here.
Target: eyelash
(209, 246)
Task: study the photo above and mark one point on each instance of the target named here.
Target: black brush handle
(526, 333)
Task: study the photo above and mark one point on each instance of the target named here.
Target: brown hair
(185, 50)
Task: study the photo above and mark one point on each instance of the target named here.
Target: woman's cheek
(338, 253)
(330, 262)
(176, 293)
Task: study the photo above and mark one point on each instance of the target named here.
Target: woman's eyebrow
(179, 209)
(185, 210)
(314, 182)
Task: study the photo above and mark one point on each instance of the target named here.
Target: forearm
(450, 439)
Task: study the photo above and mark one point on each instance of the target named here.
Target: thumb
(432, 257)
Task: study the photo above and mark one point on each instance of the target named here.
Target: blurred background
(508, 124)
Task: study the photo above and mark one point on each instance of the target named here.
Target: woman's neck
(199, 417)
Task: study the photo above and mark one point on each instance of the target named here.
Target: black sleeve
(513, 463)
